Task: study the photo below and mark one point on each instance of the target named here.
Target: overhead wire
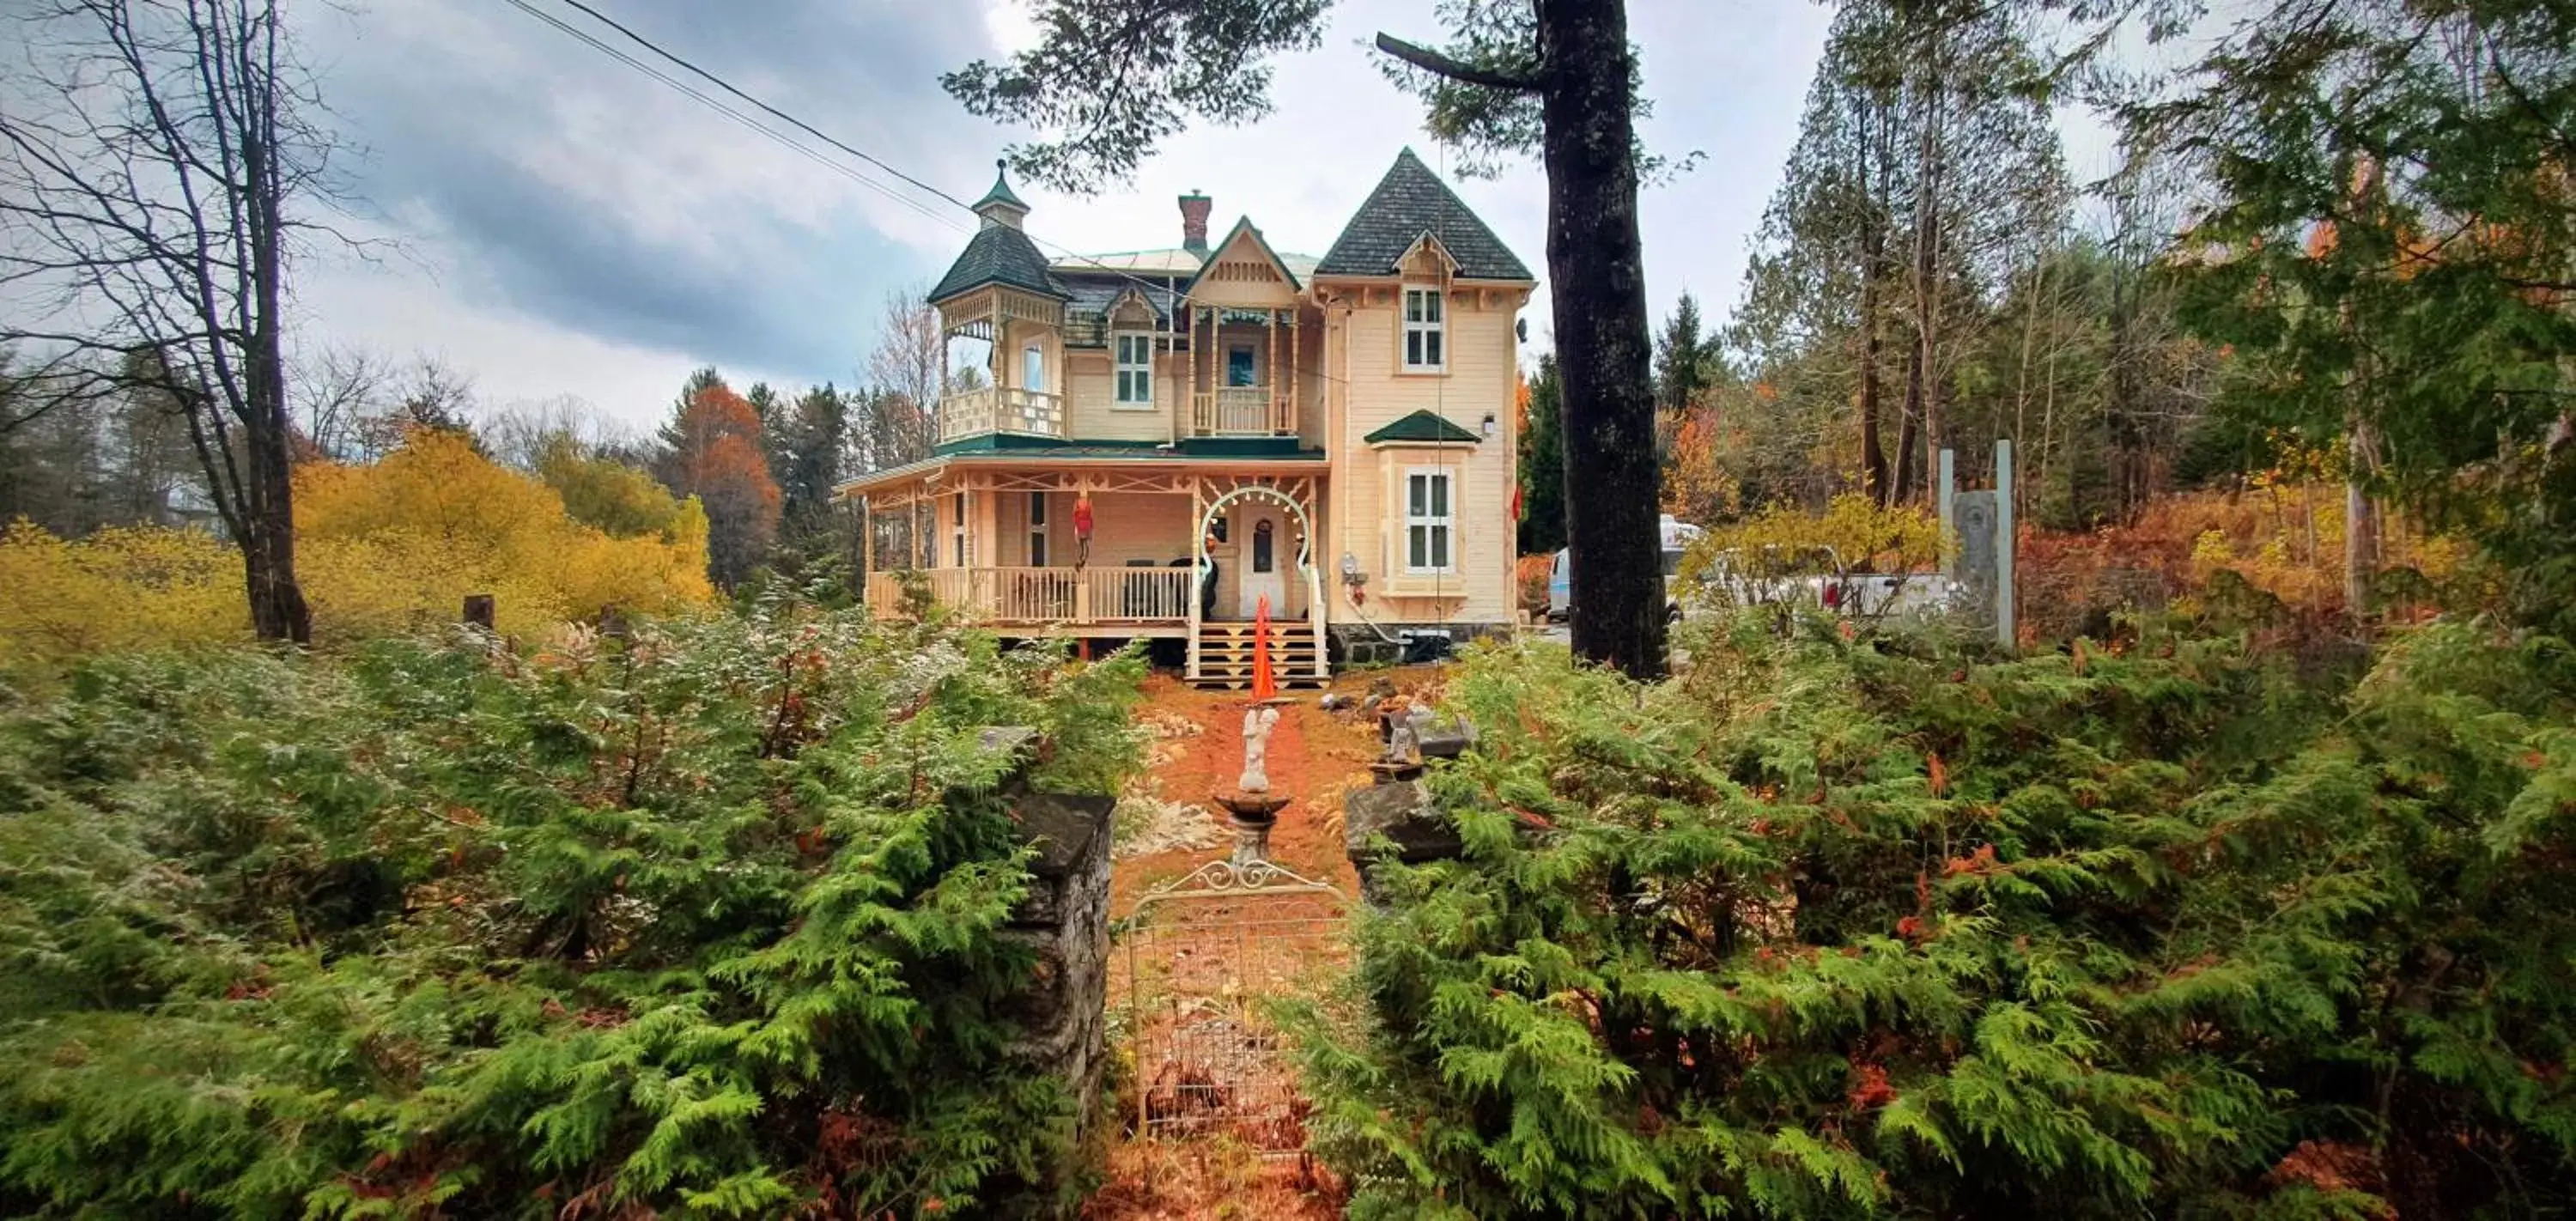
(1091, 264)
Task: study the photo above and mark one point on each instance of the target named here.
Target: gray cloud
(548, 180)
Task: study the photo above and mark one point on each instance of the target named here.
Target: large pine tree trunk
(1873, 255)
(1923, 390)
(1598, 293)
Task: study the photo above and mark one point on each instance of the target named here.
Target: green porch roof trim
(1423, 427)
(1122, 451)
(999, 254)
(1241, 447)
(1409, 204)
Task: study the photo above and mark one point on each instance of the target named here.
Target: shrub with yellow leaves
(380, 549)
(117, 589)
(1864, 536)
(399, 543)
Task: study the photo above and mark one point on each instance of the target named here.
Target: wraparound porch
(1120, 545)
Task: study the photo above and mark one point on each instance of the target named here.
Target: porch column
(867, 555)
(1289, 416)
(1270, 357)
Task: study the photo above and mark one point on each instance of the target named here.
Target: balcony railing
(975, 413)
(1068, 596)
(1242, 411)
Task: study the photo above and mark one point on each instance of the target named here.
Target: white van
(1677, 536)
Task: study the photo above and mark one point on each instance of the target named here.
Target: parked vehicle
(1817, 577)
(1677, 536)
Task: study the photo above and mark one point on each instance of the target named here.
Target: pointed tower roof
(1000, 252)
(1409, 204)
(1001, 192)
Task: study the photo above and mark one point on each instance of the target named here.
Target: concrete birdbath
(1251, 805)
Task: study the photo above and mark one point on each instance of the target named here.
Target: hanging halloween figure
(1082, 529)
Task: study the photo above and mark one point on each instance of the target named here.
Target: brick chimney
(1194, 218)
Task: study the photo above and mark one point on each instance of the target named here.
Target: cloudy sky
(565, 225)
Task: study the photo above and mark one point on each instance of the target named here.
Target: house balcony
(1243, 411)
(1094, 601)
(1000, 409)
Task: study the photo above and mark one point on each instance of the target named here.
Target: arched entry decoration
(1296, 497)
(1270, 494)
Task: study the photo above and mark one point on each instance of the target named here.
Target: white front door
(1261, 545)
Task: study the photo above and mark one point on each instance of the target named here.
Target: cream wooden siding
(1133, 526)
(1091, 410)
(1482, 377)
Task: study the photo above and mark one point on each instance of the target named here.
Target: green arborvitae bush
(704, 922)
(1899, 928)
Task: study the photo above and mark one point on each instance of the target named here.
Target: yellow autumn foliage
(1863, 535)
(399, 543)
(381, 548)
(116, 589)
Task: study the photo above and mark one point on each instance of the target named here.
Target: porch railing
(992, 409)
(1045, 595)
(1242, 411)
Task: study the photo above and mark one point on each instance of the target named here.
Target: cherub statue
(1258, 721)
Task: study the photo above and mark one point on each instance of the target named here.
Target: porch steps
(1223, 658)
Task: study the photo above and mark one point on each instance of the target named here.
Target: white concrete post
(2004, 632)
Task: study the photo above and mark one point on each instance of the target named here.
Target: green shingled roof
(1408, 203)
(999, 254)
(1421, 426)
(1001, 192)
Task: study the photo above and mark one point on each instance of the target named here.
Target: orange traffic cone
(1263, 686)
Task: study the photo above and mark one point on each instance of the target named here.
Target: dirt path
(1315, 757)
(1172, 827)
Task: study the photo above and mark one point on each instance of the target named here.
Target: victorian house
(1170, 442)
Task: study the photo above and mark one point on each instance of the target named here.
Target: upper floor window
(1428, 523)
(1135, 369)
(1425, 331)
(1033, 368)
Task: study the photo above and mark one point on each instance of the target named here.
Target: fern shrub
(701, 922)
(1836, 927)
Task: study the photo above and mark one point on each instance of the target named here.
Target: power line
(746, 121)
(781, 115)
(630, 34)
(1092, 264)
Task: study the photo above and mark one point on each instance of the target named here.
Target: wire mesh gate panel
(1202, 955)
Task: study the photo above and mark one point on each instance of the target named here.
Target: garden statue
(1258, 721)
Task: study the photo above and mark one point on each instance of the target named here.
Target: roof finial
(1000, 206)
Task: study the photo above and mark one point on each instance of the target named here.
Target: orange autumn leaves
(716, 457)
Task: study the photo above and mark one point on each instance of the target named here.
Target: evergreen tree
(2389, 248)
(1864, 928)
(1542, 463)
(1681, 356)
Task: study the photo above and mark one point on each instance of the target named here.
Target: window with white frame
(958, 531)
(1134, 354)
(1430, 526)
(1037, 530)
(1033, 368)
(1425, 331)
